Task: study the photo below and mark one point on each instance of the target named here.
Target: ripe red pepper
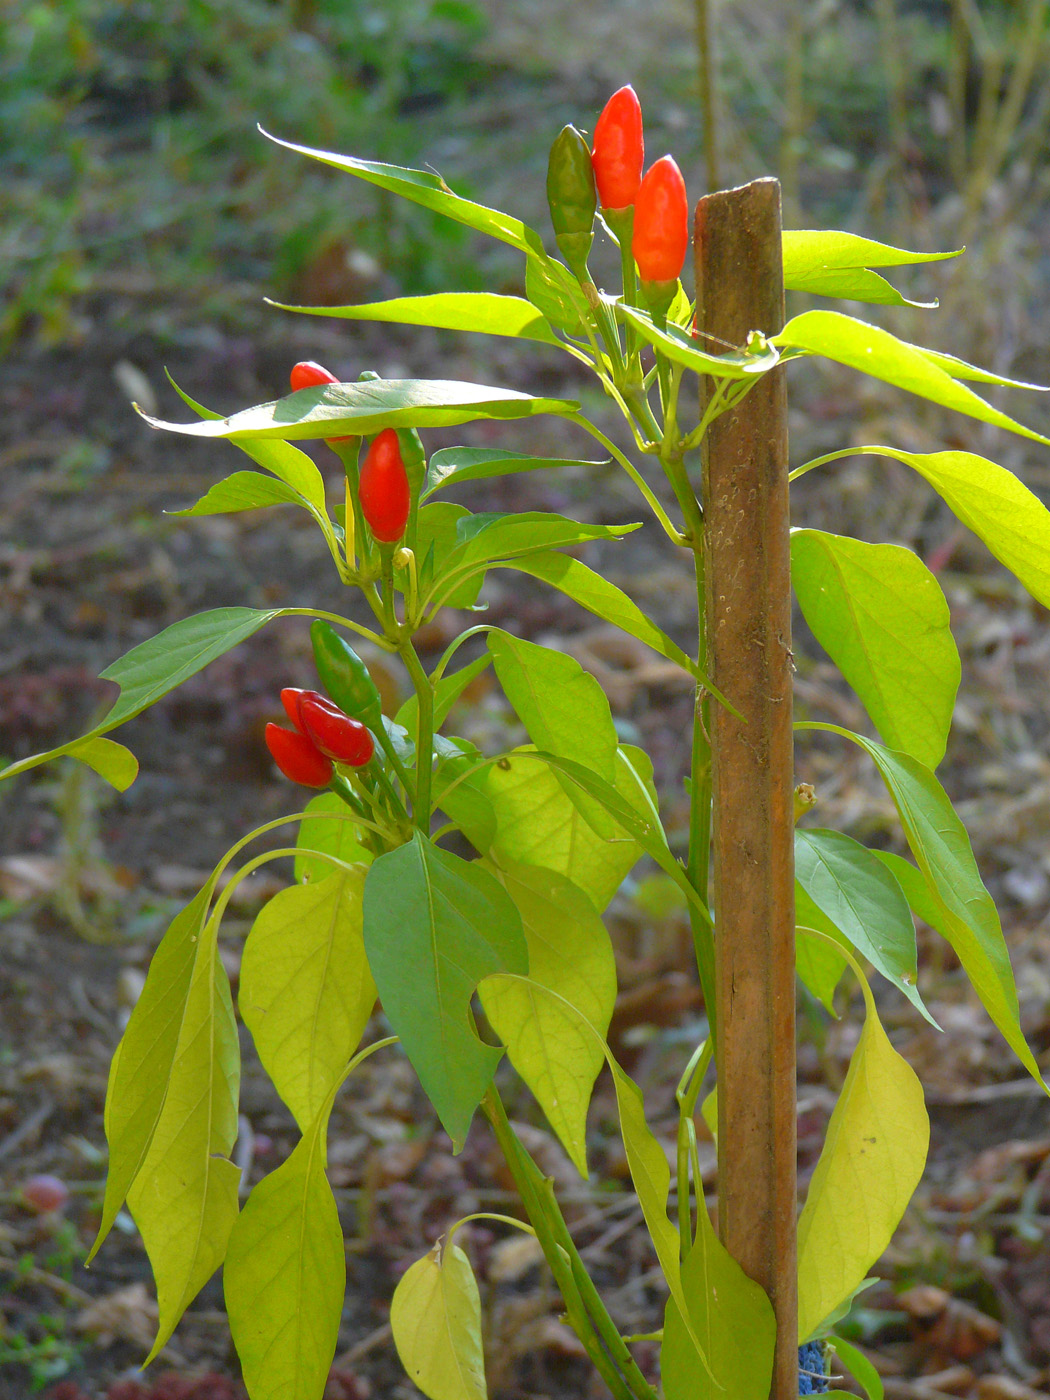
(661, 223)
(618, 150)
(383, 488)
(336, 735)
(308, 374)
(298, 758)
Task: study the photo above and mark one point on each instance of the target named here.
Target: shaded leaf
(328, 828)
(434, 926)
(454, 465)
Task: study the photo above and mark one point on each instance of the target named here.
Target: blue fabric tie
(812, 1369)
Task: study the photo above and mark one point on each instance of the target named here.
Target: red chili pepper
(308, 374)
(618, 150)
(298, 758)
(336, 735)
(661, 223)
(383, 490)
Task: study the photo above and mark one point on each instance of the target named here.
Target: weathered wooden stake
(740, 288)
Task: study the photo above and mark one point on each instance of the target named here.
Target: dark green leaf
(455, 465)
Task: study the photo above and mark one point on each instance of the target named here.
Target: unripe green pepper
(573, 198)
(345, 676)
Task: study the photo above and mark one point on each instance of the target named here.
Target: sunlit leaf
(880, 354)
(680, 347)
(831, 263)
(435, 1316)
(881, 616)
(306, 992)
(484, 312)
(870, 1165)
(242, 491)
(329, 828)
(110, 760)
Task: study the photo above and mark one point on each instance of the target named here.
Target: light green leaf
(969, 920)
(361, 408)
(110, 760)
(959, 369)
(880, 354)
(184, 1197)
(999, 509)
(306, 992)
(569, 953)
(484, 312)
(860, 1368)
(289, 463)
(554, 291)
(434, 926)
(155, 667)
(454, 465)
(436, 542)
(242, 491)
(435, 1316)
(816, 250)
(143, 1063)
(284, 1277)
(680, 347)
(595, 593)
(504, 536)
(329, 828)
(725, 1306)
(881, 616)
(831, 263)
(864, 903)
(870, 1165)
(562, 706)
(426, 188)
(538, 824)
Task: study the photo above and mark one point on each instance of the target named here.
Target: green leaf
(484, 312)
(569, 953)
(863, 902)
(454, 465)
(155, 667)
(110, 760)
(329, 828)
(959, 369)
(499, 535)
(289, 463)
(881, 616)
(242, 491)
(554, 291)
(437, 541)
(860, 1368)
(284, 1277)
(880, 354)
(434, 926)
(562, 706)
(306, 992)
(184, 1196)
(435, 1316)
(680, 347)
(426, 188)
(808, 250)
(725, 1306)
(538, 824)
(870, 1165)
(999, 509)
(362, 408)
(605, 600)
(831, 263)
(969, 920)
(143, 1062)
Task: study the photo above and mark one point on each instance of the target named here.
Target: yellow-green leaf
(872, 1159)
(110, 760)
(306, 992)
(435, 1317)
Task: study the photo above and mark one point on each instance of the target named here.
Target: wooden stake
(740, 288)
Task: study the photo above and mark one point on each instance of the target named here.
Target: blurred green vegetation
(131, 174)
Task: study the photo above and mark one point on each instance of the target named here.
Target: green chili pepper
(345, 676)
(572, 198)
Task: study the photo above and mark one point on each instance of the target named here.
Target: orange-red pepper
(618, 150)
(661, 223)
(383, 488)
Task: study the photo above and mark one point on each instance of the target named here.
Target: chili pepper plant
(465, 889)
